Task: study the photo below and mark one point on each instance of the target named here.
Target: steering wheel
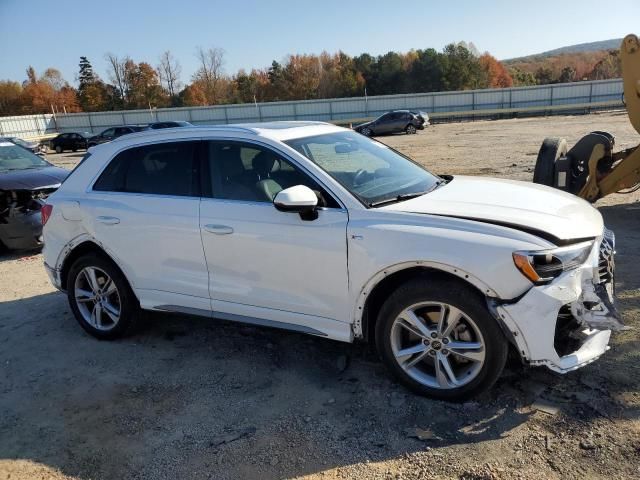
(358, 179)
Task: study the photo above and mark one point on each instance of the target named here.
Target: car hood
(32, 179)
(525, 206)
(365, 124)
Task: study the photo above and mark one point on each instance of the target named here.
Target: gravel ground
(191, 398)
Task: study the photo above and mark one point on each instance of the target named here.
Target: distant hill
(611, 44)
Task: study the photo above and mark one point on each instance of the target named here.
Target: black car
(26, 180)
(394, 122)
(170, 124)
(113, 132)
(70, 141)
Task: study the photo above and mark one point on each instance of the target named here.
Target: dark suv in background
(394, 122)
(113, 132)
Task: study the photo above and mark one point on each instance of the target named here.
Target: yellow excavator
(591, 169)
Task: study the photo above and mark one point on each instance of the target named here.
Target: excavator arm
(591, 169)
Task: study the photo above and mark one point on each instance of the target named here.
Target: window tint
(108, 133)
(162, 169)
(243, 171)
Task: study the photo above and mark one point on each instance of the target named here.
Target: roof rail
(145, 133)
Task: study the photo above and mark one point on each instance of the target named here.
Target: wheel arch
(378, 288)
(84, 247)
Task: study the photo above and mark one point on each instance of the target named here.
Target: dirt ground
(190, 398)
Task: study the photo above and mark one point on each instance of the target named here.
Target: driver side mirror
(300, 199)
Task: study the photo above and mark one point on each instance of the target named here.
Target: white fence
(566, 97)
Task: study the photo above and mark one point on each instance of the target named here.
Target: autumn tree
(117, 71)
(10, 97)
(169, 71)
(522, 78)
(608, 67)
(143, 89)
(497, 75)
(210, 74)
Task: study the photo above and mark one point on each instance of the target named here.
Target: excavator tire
(550, 151)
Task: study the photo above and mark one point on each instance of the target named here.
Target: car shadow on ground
(186, 397)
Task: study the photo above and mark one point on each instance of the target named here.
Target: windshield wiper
(398, 198)
(406, 196)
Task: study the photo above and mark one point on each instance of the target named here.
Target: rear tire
(454, 358)
(100, 297)
(550, 151)
(58, 149)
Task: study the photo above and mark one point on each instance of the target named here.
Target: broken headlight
(542, 266)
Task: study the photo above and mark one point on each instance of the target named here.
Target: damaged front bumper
(567, 324)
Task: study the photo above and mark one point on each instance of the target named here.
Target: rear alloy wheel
(366, 131)
(440, 340)
(58, 149)
(410, 129)
(100, 297)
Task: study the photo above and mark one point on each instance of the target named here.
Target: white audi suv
(311, 227)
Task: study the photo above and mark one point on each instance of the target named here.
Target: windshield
(13, 157)
(370, 170)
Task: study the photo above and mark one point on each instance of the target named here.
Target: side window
(161, 169)
(247, 172)
(108, 133)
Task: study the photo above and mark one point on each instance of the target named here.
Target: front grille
(606, 263)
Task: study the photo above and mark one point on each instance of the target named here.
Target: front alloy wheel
(437, 345)
(438, 338)
(411, 129)
(366, 131)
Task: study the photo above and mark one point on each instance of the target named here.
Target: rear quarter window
(161, 169)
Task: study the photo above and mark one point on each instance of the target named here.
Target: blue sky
(56, 33)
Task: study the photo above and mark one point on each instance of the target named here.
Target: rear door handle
(108, 220)
(218, 229)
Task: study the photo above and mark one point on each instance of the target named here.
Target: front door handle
(218, 229)
(108, 220)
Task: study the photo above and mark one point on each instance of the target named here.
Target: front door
(267, 264)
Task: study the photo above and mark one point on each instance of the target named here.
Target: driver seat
(264, 164)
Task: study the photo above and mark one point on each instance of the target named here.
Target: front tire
(439, 339)
(58, 149)
(366, 131)
(100, 297)
(411, 129)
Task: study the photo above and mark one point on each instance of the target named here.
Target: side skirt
(232, 317)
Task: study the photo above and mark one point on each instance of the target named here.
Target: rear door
(144, 208)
